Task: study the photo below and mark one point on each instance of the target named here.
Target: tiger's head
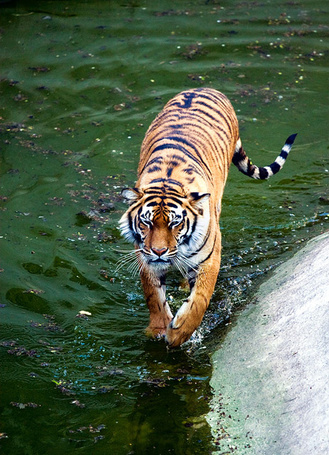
(163, 226)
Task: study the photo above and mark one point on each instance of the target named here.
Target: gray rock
(271, 374)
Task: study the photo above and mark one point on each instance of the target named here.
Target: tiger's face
(164, 227)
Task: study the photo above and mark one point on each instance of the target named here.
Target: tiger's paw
(175, 336)
(155, 332)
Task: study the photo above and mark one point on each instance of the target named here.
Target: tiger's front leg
(155, 295)
(190, 314)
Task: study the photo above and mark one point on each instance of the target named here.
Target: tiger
(175, 205)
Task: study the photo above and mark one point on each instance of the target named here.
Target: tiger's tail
(243, 163)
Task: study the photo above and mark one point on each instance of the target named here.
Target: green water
(79, 84)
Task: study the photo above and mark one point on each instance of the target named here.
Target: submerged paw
(175, 336)
(155, 332)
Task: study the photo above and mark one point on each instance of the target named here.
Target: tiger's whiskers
(130, 261)
(184, 265)
(135, 264)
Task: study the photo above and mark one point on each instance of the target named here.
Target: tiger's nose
(159, 251)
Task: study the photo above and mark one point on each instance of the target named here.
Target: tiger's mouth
(160, 261)
(157, 261)
(159, 265)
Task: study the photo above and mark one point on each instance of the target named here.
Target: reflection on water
(80, 83)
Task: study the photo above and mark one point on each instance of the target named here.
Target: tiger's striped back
(193, 138)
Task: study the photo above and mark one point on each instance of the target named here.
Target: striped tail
(244, 164)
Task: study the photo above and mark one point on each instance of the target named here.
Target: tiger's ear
(197, 200)
(131, 194)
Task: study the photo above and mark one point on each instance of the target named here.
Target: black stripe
(211, 252)
(275, 167)
(150, 198)
(169, 171)
(137, 237)
(130, 222)
(179, 158)
(162, 196)
(183, 141)
(191, 279)
(187, 235)
(154, 169)
(172, 198)
(291, 139)
(177, 126)
(189, 96)
(169, 181)
(263, 174)
(155, 191)
(162, 279)
(238, 157)
(157, 160)
(152, 204)
(194, 253)
(161, 147)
